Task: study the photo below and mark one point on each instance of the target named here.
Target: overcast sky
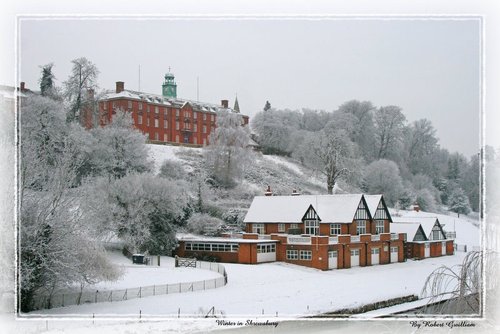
(430, 68)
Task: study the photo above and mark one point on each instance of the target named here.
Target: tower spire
(236, 107)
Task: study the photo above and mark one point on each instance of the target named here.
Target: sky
(431, 68)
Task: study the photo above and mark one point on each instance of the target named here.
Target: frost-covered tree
(82, 78)
(47, 84)
(329, 152)
(361, 129)
(171, 169)
(143, 210)
(458, 202)
(382, 177)
(53, 228)
(420, 144)
(389, 124)
(204, 224)
(119, 148)
(228, 152)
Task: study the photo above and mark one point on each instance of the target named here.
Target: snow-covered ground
(136, 275)
(276, 288)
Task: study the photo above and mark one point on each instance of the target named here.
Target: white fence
(86, 297)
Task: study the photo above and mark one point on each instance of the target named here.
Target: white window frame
(375, 251)
(379, 226)
(294, 226)
(147, 120)
(266, 248)
(360, 228)
(157, 111)
(105, 106)
(195, 140)
(394, 249)
(165, 124)
(177, 112)
(335, 229)
(195, 127)
(157, 123)
(195, 115)
(281, 227)
(165, 137)
(204, 117)
(177, 125)
(204, 129)
(292, 254)
(311, 227)
(140, 105)
(139, 119)
(355, 252)
(157, 136)
(332, 254)
(258, 228)
(305, 255)
(129, 104)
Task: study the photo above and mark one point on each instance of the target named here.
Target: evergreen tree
(458, 202)
(47, 87)
(267, 106)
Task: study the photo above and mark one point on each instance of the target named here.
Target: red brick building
(425, 237)
(323, 231)
(163, 118)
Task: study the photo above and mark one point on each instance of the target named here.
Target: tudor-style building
(323, 232)
(163, 118)
(425, 237)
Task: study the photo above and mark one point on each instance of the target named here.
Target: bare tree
(389, 124)
(83, 77)
(228, 152)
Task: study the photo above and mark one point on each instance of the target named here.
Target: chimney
(268, 191)
(120, 86)
(90, 93)
(22, 86)
(416, 207)
(224, 103)
(295, 192)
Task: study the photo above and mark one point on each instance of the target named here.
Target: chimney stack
(120, 86)
(268, 191)
(22, 86)
(224, 103)
(90, 93)
(295, 192)
(416, 207)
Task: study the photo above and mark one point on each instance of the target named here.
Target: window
(186, 114)
(305, 255)
(436, 233)
(311, 227)
(187, 125)
(354, 252)
(139, 119)
(294, 225)
(204, 117)
(177, 112)
(140, 105)
(360, 227)
(114, 104)
(258, 228)
(147, 120)
(177, 125)
(332, 254)
(375, 251)
(395, 249)
(195, 127)
(176, 138)
(165, 114)
(165, 124)
(105, 106)
(157, 122)
(281, 227)
(212, 117)
(195, 115)
(204, 141)
(379, 226)
(292, 254)
(156, 110)
(130, 104)
(195, 140)
(269, 248)
(203, 246)
(165, 137)
(334, 229)
(204, 129)
(157, 136)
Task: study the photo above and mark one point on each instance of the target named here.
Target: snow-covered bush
(204, 224)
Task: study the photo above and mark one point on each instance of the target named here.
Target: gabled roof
(427, 223)
(373, 201)
(291, 209)
(410, 229)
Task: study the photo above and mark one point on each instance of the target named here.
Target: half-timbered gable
(311, 221)
(362, 218)
(380, 213)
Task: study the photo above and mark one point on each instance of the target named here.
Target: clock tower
(169, 87)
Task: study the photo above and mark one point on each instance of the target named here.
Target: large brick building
(319, 231)
(163, 118)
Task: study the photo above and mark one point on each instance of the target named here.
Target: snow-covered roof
(372, 201)
(427, 223)
(225, 240)
(409, 228)
(160, 99)
(291, 209)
